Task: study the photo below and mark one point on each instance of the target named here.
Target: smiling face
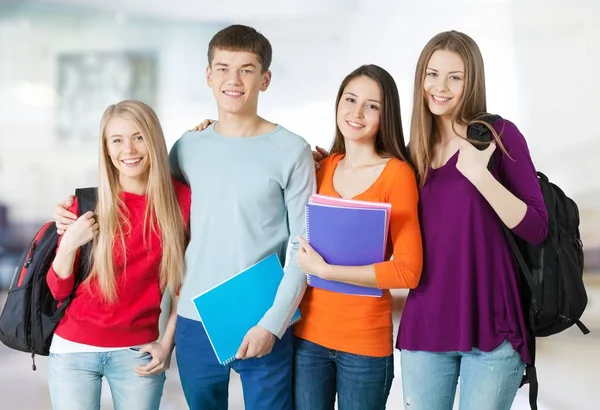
(236, 78)
(444, 82)
(127, 150)
(359, 110)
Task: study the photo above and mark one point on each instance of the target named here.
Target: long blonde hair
(162, 215)
(472, 106)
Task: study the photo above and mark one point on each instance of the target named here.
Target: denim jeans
(488, 380)
(361, 382)
(75, 381)
(266, 382)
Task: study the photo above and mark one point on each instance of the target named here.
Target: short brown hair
(242, 38)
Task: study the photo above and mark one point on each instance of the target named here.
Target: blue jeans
(266, 382)
(361, 382)
(488, 380)
(75, 381)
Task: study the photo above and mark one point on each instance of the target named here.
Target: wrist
(480, 178)
(66, 249)
(167, 344)
(324, 271)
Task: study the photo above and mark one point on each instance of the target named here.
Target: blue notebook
(349, 237)
(233, 307)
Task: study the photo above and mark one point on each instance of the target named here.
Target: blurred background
(63, 61)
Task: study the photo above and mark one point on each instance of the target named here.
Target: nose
(233, 77)
(129, 146)
(441, 84)
(358, 111)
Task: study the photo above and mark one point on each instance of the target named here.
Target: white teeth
(132, 161)
(233, 93)
(354, 124)
(440, 99)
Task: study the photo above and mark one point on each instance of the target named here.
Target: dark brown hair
(242, 38)
(389, 141)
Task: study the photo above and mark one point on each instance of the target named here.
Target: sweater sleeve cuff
(60, 288)
(382, 277)
(531, 227)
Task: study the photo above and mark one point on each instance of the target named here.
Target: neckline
(336, 162)
(451, 159)
(277, 128)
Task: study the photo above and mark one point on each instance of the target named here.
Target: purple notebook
(349, 237)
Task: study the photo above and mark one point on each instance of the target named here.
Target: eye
(115, 140)
(372, 107)
(139, 138)
(350, 100)
(246, 71)
(222, 69)
(432, 74)
(455, 77)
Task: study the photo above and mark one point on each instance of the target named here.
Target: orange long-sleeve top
(359, 324)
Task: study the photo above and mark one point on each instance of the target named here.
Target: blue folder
(347, 237)
(236, 305)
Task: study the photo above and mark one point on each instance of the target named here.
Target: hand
(83, 230)
(62, 216)
(203, 125)
(309, 260)
(161, 359)
(472, 163)
(258, 342)
(318, 155)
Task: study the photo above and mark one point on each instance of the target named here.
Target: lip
(233, 93)
(132, 164)
(439, 100)
(355, 125)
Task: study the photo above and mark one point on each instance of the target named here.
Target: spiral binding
(228, 361)
(232, 358)
(306, 208)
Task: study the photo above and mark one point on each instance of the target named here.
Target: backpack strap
(86, 200)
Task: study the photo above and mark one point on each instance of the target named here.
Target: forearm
(64, 261)
(354, 275)
(290, 292)
(168, 338)
(510, 209)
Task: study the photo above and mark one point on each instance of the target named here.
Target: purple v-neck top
(468, 296)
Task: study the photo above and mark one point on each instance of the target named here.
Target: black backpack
(555, 297)
(31, 314)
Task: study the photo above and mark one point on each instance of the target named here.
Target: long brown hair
(162, 214)
(389, 141)
(472, 106)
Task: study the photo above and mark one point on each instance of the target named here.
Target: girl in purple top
(465, 320)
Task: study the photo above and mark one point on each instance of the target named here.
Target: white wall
(540, 57)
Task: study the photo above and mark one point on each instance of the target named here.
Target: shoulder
(287, 141)
(507, 130)
(190, 137)
(399, 170)
(511, 137)
(327, 164)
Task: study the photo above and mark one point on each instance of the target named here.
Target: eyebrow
(243, 65)
(451, 72)
(370, 99)
(120, 136)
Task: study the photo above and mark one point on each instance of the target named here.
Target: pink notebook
(352, 203)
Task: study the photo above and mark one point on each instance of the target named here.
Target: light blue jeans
(488, 380)
(75, 381)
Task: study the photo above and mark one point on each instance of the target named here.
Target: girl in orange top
(343, 344)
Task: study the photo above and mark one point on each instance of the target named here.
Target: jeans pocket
(138, 353)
